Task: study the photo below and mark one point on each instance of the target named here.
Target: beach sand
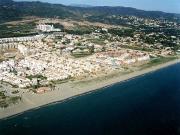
(72, 89)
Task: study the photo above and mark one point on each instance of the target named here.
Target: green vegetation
(98, 41)
(82, 51)
(2, 95)
(5, 101)
(165, 39)
(159, 60)
(17, 10)
(79, 55)
(35, 87)
(52, 83)
(122, 32)
(15, 92)
(79, 30)
(137, 48)
(41, 77)
(8, 30)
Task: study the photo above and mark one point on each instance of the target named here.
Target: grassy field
(97, 41)
(159, 60)
(9, 30)
(137, 48)
(79, 55)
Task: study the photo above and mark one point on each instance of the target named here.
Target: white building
(46, 28)
(23, 49)
(21, 39)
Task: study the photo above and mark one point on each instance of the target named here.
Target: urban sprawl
(54, 55)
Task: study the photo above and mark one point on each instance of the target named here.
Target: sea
(145, 105)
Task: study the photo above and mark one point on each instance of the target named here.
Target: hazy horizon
(171, 6)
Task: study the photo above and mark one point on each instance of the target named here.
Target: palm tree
(52, 86)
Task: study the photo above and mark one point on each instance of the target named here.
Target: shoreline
(70, 90)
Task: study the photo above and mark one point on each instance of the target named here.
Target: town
(55, 54)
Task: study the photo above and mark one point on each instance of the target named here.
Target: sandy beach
(72, 89)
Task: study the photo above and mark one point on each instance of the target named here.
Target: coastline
(69, 90)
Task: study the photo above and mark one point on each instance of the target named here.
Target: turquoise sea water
(145, 105)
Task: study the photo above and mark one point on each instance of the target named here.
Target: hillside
(10, 10)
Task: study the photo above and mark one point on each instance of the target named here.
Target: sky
(171, 6)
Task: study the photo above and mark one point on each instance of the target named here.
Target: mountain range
(11, 10)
